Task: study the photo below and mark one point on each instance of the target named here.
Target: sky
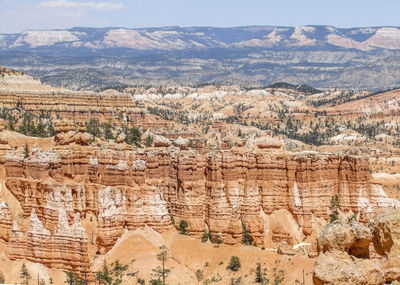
(19, 15)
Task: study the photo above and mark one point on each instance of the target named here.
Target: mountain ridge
(320, 56)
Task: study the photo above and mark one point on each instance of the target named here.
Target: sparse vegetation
(234, 264)
(278, 274)
(149, 141)
(182, 227)
(73, 279)
(206, 236)
(261, 275)
(133, 137)
(161, 272)
(334, 207)
(246, 236)
(111, 276)
(352, 218)
(199, 274)
(26, 151)
(156, 282)
(24, 274)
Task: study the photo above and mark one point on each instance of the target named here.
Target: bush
(149, 141)
(206, 236)
(199, 274)
(133, 137)
(234, 264)
(246, 236)
(26, 151)
(261, 275)
(334, 207)
(182, 227)
(156, 282)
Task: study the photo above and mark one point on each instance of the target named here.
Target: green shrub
(182, 227)
(155, 282)
(149, 141)
(199, 274)
(234, 264)
(246, 236)
(206, 236)
(334, 207)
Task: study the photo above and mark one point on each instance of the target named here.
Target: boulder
(267, 142)
(285, 249)
(386, 233)
(336, 236)
(181, 143)
(336, 268)
(121, 138)
(161, 141)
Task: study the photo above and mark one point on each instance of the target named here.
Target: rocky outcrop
(386, 231)
(5, 221)
(285, 249)
(226, 192)
(346, 257)
(129, 209)
(161, 141)
(65, 133)
(336, 268)
(352, 238)
(66, 248)
(40, 99)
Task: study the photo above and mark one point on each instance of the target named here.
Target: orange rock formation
(127, 188)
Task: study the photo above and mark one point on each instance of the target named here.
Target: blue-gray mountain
(321, 56)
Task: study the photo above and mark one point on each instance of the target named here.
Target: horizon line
(197, 27)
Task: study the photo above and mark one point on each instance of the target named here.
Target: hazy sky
(19, 15)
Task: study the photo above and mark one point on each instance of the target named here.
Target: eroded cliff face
(65, 247)
(126, 189)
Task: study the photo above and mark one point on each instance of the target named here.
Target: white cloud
(82, 5)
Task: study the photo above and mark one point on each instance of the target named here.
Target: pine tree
(161, 272)
(334, 207)
(246, 236)
(24, 274)
(26, 151)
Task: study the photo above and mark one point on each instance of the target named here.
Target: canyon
(76, 199)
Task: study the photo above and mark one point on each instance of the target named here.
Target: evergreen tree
(161, 272)
(234, 264)
(24, 274)
(149, 141)
(133, 137)
(26, 151)
(182, 227)
(334, 207)
(246, 236)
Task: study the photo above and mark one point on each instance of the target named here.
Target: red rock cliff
(127, 188)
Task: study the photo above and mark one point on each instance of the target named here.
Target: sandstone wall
(221, 191)
(124, 188)
(73, 105)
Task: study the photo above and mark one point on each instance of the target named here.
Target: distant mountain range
(320, 56)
